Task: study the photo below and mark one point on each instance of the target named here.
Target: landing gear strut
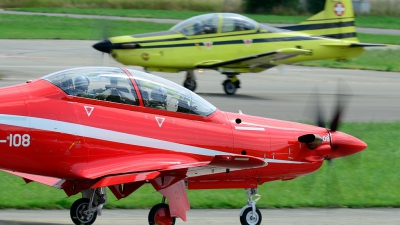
(231, 84)
(160, 215)
(84, 211)
(250, 215)
(190, 81)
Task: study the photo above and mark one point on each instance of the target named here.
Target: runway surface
(214, 217)
(375, 96)
(174, 21)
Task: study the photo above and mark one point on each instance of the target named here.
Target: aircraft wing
(165, 176)
(219, 163)
(153, 168)
(266, 60)
(49, 181)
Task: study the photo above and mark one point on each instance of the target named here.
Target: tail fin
(335, 21)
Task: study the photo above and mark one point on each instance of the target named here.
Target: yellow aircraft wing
(265, 60)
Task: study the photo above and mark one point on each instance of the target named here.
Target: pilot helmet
(159, 94)
(82, 83)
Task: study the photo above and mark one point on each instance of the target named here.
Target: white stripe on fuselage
(250, 128)
(102, 134)
(109, 135)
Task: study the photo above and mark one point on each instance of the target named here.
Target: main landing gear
(160, 215)
(250, 215)
(84, 211)
(231, 84)
(190, 81)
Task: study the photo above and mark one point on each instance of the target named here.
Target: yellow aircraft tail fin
(335, 21)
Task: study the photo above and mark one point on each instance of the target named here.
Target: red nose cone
(344, 145)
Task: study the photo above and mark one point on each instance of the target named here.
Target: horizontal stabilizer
(367, 45)
(349, 44)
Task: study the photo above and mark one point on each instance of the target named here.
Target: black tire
(77, 215)
(229, 87)
(247, 217)
(154, 210)
(190, 84)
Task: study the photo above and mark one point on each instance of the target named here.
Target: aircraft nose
(344, 145)
(103, 46)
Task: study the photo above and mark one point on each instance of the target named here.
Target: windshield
(163, 94)
(98, 83)
(215, 23)
(203, 24)
(235, 22)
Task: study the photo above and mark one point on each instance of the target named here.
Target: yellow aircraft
(234, 44)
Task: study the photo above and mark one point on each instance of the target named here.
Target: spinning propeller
(341, 144)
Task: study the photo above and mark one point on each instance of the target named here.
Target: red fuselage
(46, 132)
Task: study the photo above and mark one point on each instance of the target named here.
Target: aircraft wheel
(80, 214)
(159, 215)
(190, 84)
(249, 218)
(229, 87)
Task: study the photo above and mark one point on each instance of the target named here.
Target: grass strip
(379, 38)
(44, 27)
(361, 21)
(41, 27)
(381, 60)
(367, 179)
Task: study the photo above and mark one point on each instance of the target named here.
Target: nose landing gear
(250, 215)
(190, 81)
(231, 84)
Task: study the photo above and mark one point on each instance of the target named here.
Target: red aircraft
(85, 129)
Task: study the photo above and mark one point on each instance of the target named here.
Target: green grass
(382, 60)
(367, 179)
(361, 21)
(379, 38)
(44, 27)
(192, 5)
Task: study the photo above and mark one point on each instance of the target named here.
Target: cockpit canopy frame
(214, 23)
(114, 85)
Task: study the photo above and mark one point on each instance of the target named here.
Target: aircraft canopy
(114, 85)
(215, 23)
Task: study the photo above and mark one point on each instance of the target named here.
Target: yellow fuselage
(176, 52)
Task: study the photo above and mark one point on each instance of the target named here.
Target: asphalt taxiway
(214, 217)
(374, 96)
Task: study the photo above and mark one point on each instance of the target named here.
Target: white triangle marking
(248, 41)
(207, 44)
(160, 121)
(89, 109)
